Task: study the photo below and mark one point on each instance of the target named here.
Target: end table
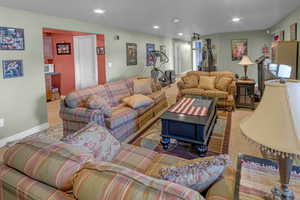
(245, 90)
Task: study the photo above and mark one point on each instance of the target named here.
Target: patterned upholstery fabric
(198, 175)
(143, 109)
(122, 132)
(79, 97)
(223, 83)
(215, 93)
(48, 161)
(96, 102)
(120, 116)
(158, 96)
(97, 140)
(135, 158)
(191, 81)
(195, 91)
(109, 181)
(16, 186)
(116, 91)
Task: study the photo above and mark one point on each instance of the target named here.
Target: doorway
(182, 57)
(85, 59)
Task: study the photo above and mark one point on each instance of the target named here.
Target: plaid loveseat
(53, 176)
(226, 98)
(124, 120)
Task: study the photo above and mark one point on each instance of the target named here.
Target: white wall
(22, 100)
(182, 56)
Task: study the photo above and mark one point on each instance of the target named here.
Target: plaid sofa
(124, 121)
(226, 99)
(50, 178)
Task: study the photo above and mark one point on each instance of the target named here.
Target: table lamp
(245, 62)
(275, 127)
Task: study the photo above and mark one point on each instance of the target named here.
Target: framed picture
(131, 52)
(163, 49)
(239, 48)
(149, 48)
(63, 48)
(281, 36)
(12, 68)
(12, 38)
(293, 31)
(100, 50)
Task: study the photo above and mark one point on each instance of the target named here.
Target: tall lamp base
(284, 193)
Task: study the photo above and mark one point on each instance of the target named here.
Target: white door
(86, 66)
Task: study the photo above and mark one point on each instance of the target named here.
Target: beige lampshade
(275, 124)
(246, 61)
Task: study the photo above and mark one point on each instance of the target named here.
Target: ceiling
(201, 16)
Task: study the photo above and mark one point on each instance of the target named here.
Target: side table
(245, 94)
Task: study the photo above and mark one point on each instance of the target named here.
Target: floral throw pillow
(199, 175)
(97, 140)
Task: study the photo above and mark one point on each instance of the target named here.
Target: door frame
(77, 57)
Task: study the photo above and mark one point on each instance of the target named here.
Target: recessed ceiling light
(99, 11)
(176, 20)
(180, 34)
(236, 19)
(156, 27)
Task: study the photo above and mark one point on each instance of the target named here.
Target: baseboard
(24, 134)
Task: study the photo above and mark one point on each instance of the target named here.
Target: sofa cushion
(97, 140)
(219, 75)
(198, 175)
(142, 86)
(79, 97)
(143, 109)
(138, 100)
(194, 91)
(120, 116)
(96, 102)
(15, 185)
(198, 73)
(117, 91)
(135, 158)
(109, 181)
(215, 93)
(158, 96)
(190, 81)
(207, 82)
(223, 83)
(51, 162)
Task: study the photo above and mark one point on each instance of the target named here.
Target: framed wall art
(281, 36)
(131, 52)
(12, 68)
(63, 48)
(163, 49)
(239, 48)
(12, 38)
(293, 31)
(150, 60)
(100, 50)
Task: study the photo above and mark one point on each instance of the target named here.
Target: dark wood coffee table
(192, 129)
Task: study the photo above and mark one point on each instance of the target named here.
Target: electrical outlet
(1, 122)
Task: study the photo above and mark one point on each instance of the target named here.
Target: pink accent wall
(65, 63)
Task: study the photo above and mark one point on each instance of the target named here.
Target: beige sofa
(226, 97)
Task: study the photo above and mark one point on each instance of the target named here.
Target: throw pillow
(137, 101)
(207, 82)
(96, 102)
(223, 83)
(142, 86)
(190, 81)
(97, 139)
(199, 175)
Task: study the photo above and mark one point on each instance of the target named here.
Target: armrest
(180, 85)
(232, 88)
(156, 86)
(81, 114)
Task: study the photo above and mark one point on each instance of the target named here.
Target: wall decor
(163, 49)
(149, 48)
(131, 52)
(293, 31)
(12, 38)
(63, 48)
(100, 50)
(12, 68)
(281, 36)
(239, 48)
